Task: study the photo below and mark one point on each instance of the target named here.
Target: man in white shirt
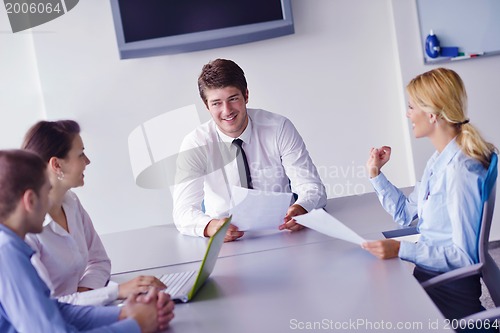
(277, 157)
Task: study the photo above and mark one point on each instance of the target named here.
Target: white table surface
(281, 282)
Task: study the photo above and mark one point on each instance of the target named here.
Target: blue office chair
(486, 267)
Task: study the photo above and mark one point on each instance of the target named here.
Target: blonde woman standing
(447, 200)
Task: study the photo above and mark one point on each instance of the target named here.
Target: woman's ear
(54, 165)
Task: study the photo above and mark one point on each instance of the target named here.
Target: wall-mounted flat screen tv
(155, 27)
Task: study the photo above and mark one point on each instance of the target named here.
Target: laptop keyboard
(175, 281)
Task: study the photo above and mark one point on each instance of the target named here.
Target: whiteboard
(471, 25)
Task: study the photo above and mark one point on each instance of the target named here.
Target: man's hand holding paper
(289, 221)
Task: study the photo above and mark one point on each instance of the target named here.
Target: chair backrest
(490, 271)
(488, 199)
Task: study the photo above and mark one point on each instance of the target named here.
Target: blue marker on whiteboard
(432, 45)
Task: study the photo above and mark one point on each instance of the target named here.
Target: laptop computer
(182, 286)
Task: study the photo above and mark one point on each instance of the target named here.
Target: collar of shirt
(49, 221)
(439, 161)
(54, 226)
(17, 241)
(245, 136)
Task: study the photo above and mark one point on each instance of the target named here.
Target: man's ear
(29, 199)
(246, 96)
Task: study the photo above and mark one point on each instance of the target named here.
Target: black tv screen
(155, 27)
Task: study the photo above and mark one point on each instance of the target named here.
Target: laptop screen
(211, 255)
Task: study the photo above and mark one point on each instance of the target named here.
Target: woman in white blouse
(70, 256)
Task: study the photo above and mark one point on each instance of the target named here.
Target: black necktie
(244, 171)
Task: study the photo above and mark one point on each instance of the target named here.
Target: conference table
(281, 281)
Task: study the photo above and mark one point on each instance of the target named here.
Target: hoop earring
(60, 175)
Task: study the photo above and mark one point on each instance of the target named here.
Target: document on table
(323, 222)
(257, 210)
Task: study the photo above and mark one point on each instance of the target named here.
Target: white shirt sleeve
(188, 215)
(188, 193)
(300, 169)
(100, 296)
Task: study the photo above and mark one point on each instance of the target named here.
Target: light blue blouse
(448, 205)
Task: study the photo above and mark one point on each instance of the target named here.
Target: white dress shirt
(66, 261)
(448, 205)
(207, 169)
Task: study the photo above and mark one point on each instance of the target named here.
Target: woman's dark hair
(51, 138)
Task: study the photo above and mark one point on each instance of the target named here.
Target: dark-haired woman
(70, 256)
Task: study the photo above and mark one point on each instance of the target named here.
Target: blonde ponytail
(472, 143)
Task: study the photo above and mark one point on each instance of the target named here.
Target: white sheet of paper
(323, 222)
(257, 210)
